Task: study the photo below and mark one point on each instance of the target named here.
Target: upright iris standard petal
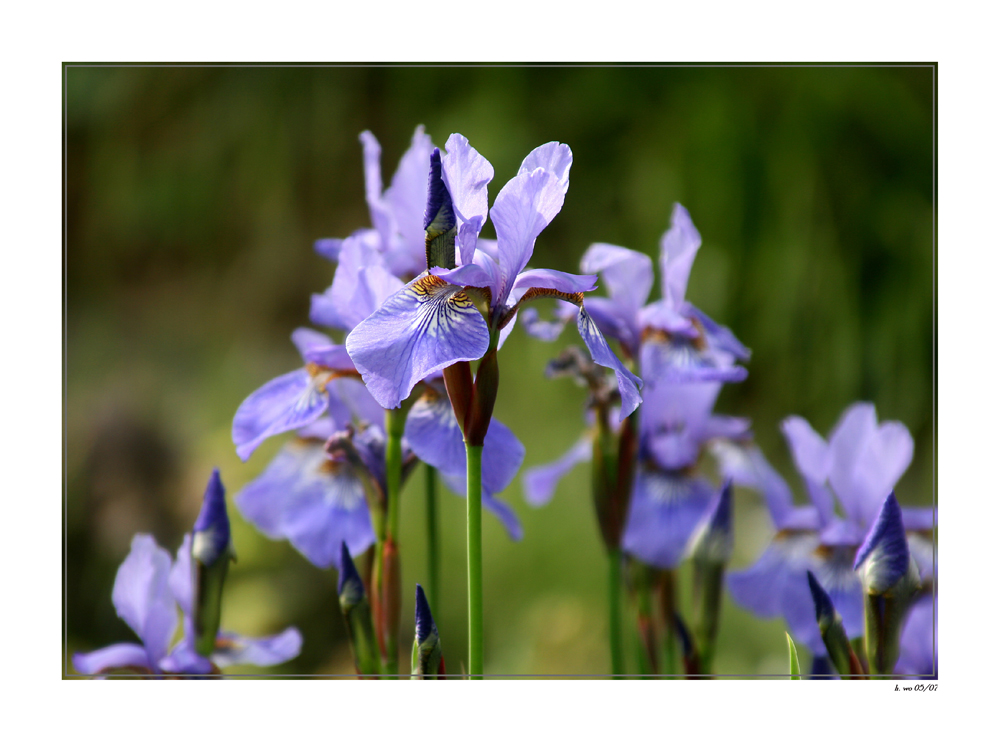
(283, 403)
(426, 326)
(665, 509)
(678, 249)
(540, 481)
(310, 500)
(406, 196)
(865, 461)
(626, 274)
(553, 157)
(143, 598)
(812, 458)
(523, 208)
(466, 174)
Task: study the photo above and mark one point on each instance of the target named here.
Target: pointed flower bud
(357, 614)
(211, 538)
(349, 585)
(883, 560)
(439, 221)
(891, 578)
(427, 646)
(211, 549)
(834, 636)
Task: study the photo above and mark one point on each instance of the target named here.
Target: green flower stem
(667, 596)
(395, 422)
(614, 605)
(473, 459)
(433, 548)
(707, 606)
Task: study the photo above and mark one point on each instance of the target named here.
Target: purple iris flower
(311, 500)
(466, 303)
(856, 468)
(673, 339)
(147, 590)
(668, 501)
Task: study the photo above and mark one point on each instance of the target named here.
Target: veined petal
(678, 360)
(310, 500)
(426, 326)
(283, 403)
(665, 317)
(540, 481)
(231, 649)
(665, 509)
(553, 157)
(614, 321)
(115, 656)
(626, 274)
(522, 210)
(466, 174)
(678, 249)
(627, 382)
(142, 596)
(555, 280)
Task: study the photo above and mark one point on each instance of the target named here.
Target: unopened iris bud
(211, 550)
(890, 578)
(428, 661)
(357, 614)
(439, 221)
(833, 634)
(884, 562)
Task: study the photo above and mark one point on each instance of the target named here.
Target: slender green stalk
(390, 583)
(614, 605)
(473, 458)
(433, 548)
(646, 625)
(667, 587)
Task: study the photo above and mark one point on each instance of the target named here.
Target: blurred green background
(194, 195)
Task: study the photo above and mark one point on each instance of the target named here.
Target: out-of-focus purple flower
(312, 501)
(667, 499)
(918, 645)
(435, 322)
(673, 340)
(861, 462)
(147, 590)
(296, 399)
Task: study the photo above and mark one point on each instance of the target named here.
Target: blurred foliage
(194, 195)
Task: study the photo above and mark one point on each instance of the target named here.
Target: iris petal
(283, 403)
(315, 504)
(426, 326)
(665, 509)
(142, 595)
(540, 481)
